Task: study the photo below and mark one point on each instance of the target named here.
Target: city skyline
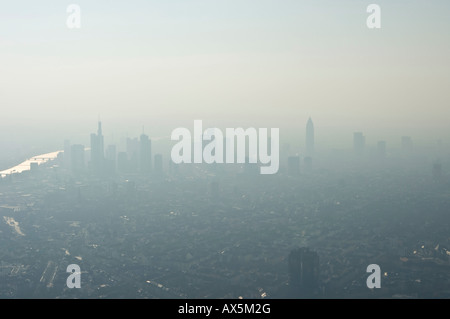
(229, 149)
(111, 150)
(209, 231)
(257, 66)
(308, 145)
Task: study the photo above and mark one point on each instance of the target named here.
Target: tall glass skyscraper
(97, 150)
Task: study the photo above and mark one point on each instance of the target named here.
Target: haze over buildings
(223, 230)
(364, 170)
(230, 63)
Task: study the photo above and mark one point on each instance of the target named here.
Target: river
(25, 166)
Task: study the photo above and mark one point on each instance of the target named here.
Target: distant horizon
(295, 148)
(230, 63)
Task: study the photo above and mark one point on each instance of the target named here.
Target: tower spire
(309, 137)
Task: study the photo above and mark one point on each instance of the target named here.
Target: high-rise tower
(309, 137)
(303, 271)
(145, 151)
(77, 158)
(97, 150)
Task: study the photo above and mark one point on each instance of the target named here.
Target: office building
(359, 142)
(133, 154)
(122, 162)
(145, 154)
(303, 271)
(110, 158)
(97, 150)
(77, 158)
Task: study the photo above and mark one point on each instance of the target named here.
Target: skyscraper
(359, 142)
(97, 150)
(110, 158)
(122, 162)
(132, 153)
(111, 153)
(309, 137)
(303, 271)
(145, 154)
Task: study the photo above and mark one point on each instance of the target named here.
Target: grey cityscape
(232, 149)
(140, 226)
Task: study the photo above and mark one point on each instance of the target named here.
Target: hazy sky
(231, 63)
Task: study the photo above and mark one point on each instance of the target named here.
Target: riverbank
(26, 165)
